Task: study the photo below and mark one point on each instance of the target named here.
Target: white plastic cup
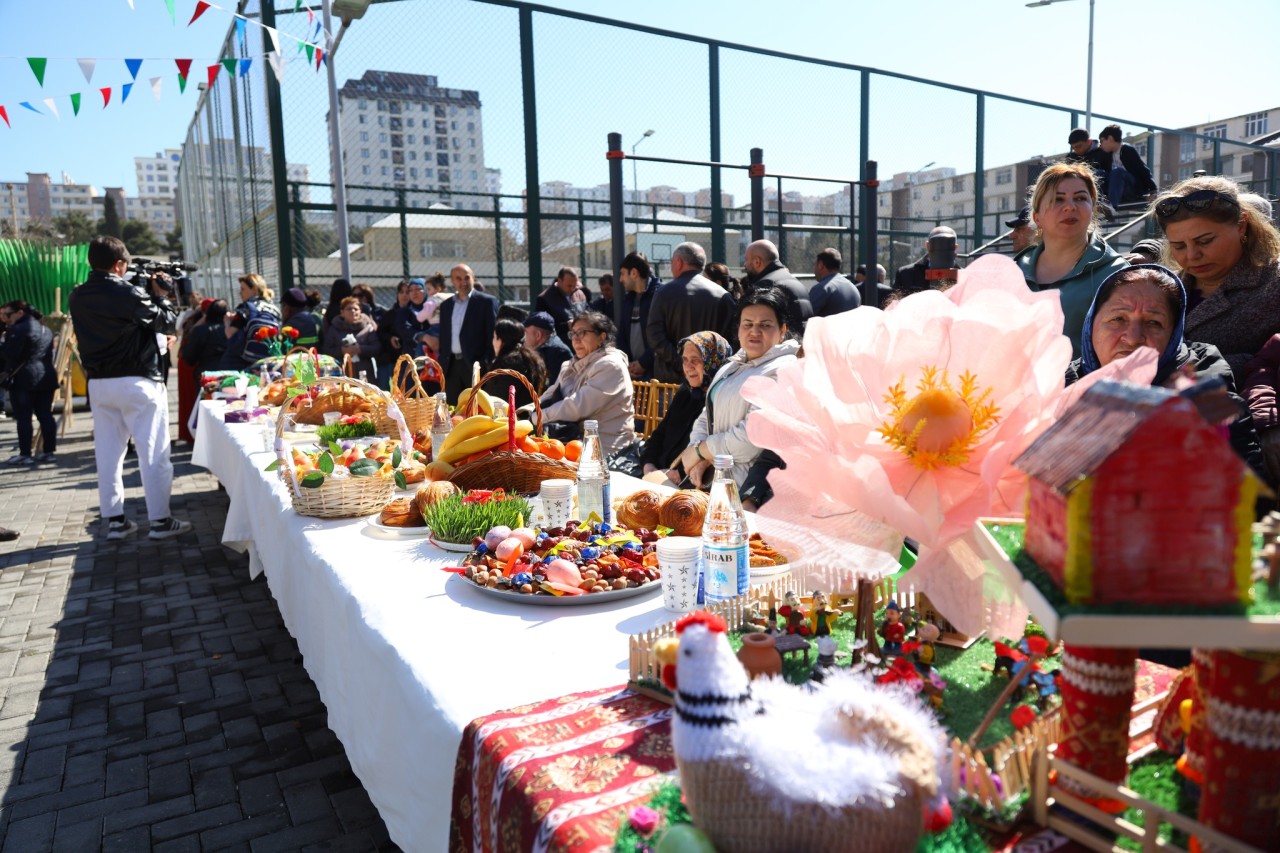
(251, 398)
(678, 558)
(557, 502)
(331, 418)
(241, 385)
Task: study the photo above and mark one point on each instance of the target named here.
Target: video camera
(145, 269)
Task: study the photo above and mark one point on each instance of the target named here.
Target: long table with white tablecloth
(404, 654)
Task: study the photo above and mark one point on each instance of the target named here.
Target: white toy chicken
(768, 767)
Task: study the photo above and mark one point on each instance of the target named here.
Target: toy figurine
(771, 626)
(893, 631)
(927, 634)
(792, 611)
(826, 658)
(823, 616)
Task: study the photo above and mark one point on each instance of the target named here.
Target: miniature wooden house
(1135, 497)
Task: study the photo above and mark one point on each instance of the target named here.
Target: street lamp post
(1088, 90)
(635, 185)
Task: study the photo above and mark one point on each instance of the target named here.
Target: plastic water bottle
(725, 564)
(593, 476)
(441, 423)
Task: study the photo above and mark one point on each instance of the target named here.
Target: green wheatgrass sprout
(453, 521)
(340, 431)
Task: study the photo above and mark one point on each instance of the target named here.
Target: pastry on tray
(401, 512)
(639, 510)
(684, 512)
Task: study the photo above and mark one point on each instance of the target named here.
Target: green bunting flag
(311, 50)
(182, 84)
(172, 15)
(75, 104)
(230, 65)
(37, 68)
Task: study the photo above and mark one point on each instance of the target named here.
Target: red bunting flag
(4, 115)
(201, 7)
(184, 67)
(319, 57)
(213, 73)
(106, 96)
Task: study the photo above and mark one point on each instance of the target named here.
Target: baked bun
(401, 512)
(684, 512)
(640, 509)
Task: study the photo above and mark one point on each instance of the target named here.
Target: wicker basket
(416, 404)
(338, 497)
(512, 470)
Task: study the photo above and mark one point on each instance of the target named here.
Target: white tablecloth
(405, 655)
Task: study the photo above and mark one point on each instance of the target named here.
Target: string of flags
(234, 66)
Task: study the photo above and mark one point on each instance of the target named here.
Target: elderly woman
(1228, 253)
(722, 426)
(355, 334)
(1145, 305)
(1070, 256)
(702, 356)
(596, 385)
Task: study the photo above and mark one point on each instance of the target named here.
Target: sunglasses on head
(1195, 202)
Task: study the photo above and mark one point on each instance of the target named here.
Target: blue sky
(1170, 62)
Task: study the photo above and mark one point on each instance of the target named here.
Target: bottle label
(606, 501)
(726, 569)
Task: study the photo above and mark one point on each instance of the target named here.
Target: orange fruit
(529, 444)
(573, 450)
(553, 449)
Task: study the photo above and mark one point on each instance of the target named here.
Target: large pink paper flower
(913, 415)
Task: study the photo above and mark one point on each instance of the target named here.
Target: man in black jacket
(118, 326)
(764, 269)
(832, 292)
(690, 302)
(563, 300)
(466, 331)
(540, 336)
(640, 284)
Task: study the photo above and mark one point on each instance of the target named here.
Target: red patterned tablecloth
(558, 775)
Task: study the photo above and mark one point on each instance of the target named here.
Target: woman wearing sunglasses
(1228, 254)
(1069, 255)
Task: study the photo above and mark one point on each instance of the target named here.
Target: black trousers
(457, 378)
(38, 403)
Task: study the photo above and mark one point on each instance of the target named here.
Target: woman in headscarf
(702, 355)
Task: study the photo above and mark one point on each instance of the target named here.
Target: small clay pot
(759, 656)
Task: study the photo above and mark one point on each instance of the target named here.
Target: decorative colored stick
(511, 417)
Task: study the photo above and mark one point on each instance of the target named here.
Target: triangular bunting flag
(27, 104)
(201, 8)
(182, 85)
(53, 108)
(130, 4)
(275, 38)
(277, 65)
(86, 68)
(240, 28)
(106, 96)
(75, 103)
(230, 65)
(133, 65)
(311, 52)
(311, 16)
(244, 66)
(212, 71)
(319, 57)
(184, 68)
(315, 36)
(124, 92)
(156, 83)
(172, 15)
(4, 115)
(37, 68)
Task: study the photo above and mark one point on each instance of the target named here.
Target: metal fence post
(279, 165)
(756, 173)
(582, 241)
(533, 199)
(404, 234)
(497, 246)
(617, 223)
(718, 251)
(979, 174)
(864, 149)
(1217, 156)
(782, 235)
(300, 234)
(870, 293)
(1273, 160)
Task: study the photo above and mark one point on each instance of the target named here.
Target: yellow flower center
(941, 423)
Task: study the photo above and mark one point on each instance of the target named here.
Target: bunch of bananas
(485, 402)
(477, 434)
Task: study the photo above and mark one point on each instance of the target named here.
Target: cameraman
(118, 325)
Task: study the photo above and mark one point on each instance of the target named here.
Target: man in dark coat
(764, 269)
(832, 292)
(540, 336)
(26, 358)
(690, 302)
(563, 300)
(466, 331)
(641, 285)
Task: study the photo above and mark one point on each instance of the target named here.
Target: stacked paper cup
(678, 558)
(557, 502)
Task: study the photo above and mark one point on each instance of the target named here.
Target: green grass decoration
(34, 271)
(339, 431)
(451, 520)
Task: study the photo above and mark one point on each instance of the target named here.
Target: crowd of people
(1205, 296)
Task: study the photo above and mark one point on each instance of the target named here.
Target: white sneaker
(168, 528)
(19, 460)
(43, 458)
(120, 529)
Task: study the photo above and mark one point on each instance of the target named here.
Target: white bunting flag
(130, 4)
(275, 38)
(156, 83)
(53, 108)
(86, 68)
(277, 65)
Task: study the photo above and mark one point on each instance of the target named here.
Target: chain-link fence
(475, 130)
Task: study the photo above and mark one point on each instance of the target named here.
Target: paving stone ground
(150, 696)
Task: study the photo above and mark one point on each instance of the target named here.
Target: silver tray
(548, 600)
